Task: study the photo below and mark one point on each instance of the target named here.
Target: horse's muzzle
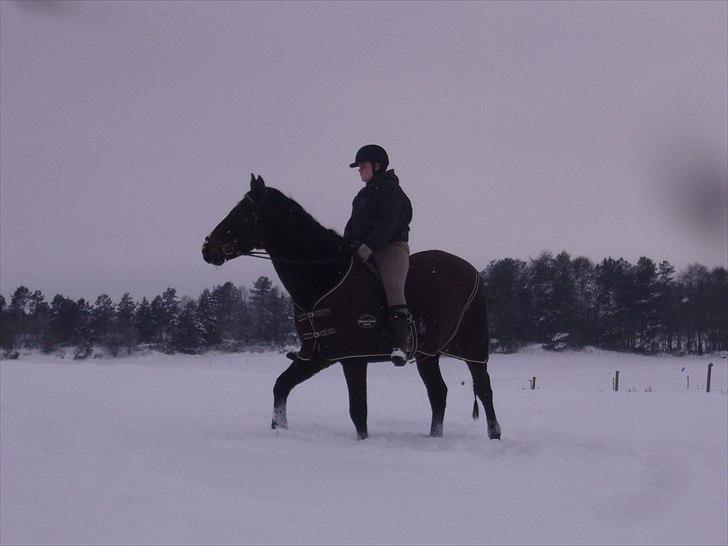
(211, 252)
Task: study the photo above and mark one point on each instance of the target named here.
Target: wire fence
(690, 378)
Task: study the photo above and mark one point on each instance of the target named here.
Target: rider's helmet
(373, 153)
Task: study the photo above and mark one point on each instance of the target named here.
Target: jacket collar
(386, 177)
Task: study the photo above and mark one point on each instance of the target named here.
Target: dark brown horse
(339, 304)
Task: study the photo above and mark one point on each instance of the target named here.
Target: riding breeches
(393, 263)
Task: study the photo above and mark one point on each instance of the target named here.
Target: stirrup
(398, 358)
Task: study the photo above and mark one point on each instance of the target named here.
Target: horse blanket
(444, 293)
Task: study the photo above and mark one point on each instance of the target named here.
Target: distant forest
(558, 302)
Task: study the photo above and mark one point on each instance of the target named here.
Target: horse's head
(240, 231)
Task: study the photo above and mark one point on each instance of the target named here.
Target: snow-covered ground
(177, 450)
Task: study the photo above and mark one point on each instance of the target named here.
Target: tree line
(226, 318)
(643, 307)
(556, 301)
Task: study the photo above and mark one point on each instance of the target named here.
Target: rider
(379, 227)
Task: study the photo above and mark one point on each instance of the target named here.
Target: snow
(174, 449)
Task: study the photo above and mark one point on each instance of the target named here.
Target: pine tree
(7, 332)
(264, 320)
(717, 311)
(207, 315)
(83, 330)
(584, 317)
(227, 301)
(143, 322)
(187, 333)
(695, 282)
(286, 317)
(664, 303)
(65, 325)
(157, 317)
(102, 318)
(540, 275)
(281, 309)
(504, 289)
(40, 313)
(612, 302)
(563, 298)
(643, 305)
(125, 322)
(19, 314)
(170, 310)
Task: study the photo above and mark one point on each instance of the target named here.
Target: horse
(313, 262)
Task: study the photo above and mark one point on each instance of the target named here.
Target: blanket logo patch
(366, 321)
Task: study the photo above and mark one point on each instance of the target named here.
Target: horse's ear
(256, 184)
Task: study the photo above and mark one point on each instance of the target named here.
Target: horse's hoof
(436, 432)
(274, 425)
(362, 435)
(279, 417)
(494, 432)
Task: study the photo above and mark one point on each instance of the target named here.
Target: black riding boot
(399, 321)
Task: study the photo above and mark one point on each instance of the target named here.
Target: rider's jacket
(380, 214)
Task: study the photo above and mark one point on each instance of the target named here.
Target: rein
(266, 256)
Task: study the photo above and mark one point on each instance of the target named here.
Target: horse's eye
(228, 232)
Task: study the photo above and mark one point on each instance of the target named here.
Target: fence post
(688, 382)
(533, 383)
(710, 369)
(615, 381)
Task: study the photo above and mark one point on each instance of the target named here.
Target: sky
(129, 130)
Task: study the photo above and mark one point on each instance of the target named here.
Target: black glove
(354, 247)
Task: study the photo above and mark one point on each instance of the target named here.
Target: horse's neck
(307, 283)
(308, 275)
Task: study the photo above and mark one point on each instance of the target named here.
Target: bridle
(257, 242)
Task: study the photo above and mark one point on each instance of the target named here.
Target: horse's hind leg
(483, 390)
(296, 373)
(355, 371)
(429, 369)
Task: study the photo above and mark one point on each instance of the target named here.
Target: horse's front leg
(429, 369)
(355, 371)
(296, 373)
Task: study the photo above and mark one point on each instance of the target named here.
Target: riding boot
(399, 321)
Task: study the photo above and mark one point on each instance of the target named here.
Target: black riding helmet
(373, 153)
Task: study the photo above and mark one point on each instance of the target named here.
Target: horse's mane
(298, 220)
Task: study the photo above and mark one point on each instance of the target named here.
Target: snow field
(177, 450)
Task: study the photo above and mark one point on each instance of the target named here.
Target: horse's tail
(476, 409)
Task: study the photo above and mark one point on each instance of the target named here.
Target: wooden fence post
(710, 369)
(533, 383)
(615, 381)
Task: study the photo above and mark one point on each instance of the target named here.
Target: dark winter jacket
(381, 213)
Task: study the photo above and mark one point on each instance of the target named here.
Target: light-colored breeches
(393, 263)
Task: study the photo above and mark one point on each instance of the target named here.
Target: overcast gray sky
(128, 130)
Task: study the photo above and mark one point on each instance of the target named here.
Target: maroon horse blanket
(444, 293)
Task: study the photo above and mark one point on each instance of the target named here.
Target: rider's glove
(363, 252)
